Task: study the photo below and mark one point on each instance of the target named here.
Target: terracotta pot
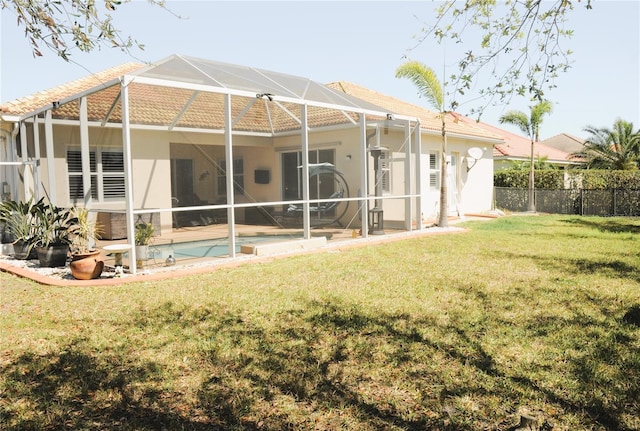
(86, 266)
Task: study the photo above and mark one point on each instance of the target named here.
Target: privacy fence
(600, 202)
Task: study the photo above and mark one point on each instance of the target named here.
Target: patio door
(292, 175)
(182, 190)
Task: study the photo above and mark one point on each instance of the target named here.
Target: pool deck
(157, 269)
(337, 239)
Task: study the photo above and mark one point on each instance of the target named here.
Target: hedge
(576, 179)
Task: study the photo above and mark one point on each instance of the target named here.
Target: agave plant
(56, 225)
(20, 221)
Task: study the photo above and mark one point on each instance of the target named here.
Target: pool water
(209, 248)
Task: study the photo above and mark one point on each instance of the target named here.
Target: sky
(362, 42)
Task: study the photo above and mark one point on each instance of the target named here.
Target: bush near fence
(584, 192)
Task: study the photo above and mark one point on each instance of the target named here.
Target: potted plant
(86, 263)
(21, 226)
(144, 232)
(55, 231)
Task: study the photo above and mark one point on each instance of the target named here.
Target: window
(106, 168)
(238, 177)
(434, 171)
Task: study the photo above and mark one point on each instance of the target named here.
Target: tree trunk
(532, 188)
(443, 219)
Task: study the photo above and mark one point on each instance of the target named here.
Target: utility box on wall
(262, 176)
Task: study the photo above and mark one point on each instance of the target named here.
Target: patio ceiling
(186, 93)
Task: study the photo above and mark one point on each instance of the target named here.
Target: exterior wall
(477, 184)
(152, 152)
(473, 182)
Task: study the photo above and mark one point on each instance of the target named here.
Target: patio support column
(48, 140)
(84, 151)
(25, 159)
(418, 149)
(408, 178)
(128, 172)
(228, 144)
(364, 195)
(12, 156)
(305, 172)
(36, 152)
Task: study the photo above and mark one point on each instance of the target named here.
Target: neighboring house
(517, 148)
(157, 140)
(565, 142)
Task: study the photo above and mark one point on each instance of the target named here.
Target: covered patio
(198, 145)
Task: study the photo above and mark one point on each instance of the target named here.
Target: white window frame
(434, 171)
(99, 175)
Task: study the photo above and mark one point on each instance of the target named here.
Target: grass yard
(533, 316)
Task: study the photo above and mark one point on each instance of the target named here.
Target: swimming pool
(210, 248)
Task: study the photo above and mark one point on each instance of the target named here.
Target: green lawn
(532, 315)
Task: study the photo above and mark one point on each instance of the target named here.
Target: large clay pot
(53, 256)
(86, 266)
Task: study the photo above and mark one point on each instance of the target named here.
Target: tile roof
(519, 147)
(429, 120)
(36, 101)
(186, 108)
(565, 142)
(174, 107)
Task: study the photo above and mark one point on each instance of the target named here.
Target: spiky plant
(617, 148)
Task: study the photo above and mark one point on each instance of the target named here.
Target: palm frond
(426, 80)
(616, 148)
(537, 112)
(518, 119)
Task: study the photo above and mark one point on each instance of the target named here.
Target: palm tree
(429, 87)
(611, 149)
(530, 125)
